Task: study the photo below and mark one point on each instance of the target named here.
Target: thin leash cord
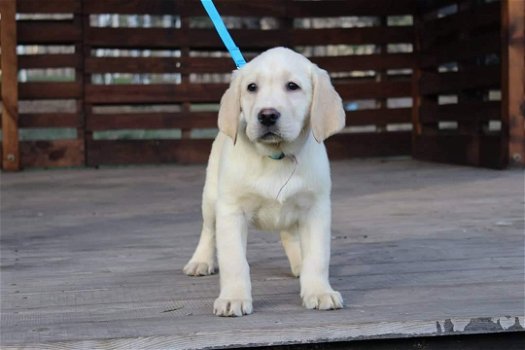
(290, 177)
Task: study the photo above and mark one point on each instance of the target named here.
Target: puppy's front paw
(196, 268)
(232, 307)
(324, 301)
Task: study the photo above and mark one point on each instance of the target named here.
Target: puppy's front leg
(235, 298)
(316, 291)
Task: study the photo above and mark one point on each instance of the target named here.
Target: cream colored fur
(245, 187)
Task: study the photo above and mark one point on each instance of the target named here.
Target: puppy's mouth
(270, 137)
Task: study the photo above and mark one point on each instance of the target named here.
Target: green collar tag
(277, 156)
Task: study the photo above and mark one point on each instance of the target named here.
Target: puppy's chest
(273, 215)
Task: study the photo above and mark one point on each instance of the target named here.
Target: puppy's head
(276, 96)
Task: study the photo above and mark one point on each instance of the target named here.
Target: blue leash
(223, 33)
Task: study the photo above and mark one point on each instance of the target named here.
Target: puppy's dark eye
(292, 86)
(252, 87)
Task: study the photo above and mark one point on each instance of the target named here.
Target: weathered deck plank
(93, 258)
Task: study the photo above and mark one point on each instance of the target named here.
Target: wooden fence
(461, 93)
(431, 78)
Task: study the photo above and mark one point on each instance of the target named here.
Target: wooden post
(416, 75)
(10, 145)
(512, 82)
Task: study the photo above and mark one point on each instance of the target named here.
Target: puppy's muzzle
(268, 116)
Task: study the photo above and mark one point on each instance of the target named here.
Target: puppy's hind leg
(202, 262)
(292, 246)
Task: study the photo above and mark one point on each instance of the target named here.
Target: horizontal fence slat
(462, 22)
(373, 90)
(48, 32)
(132, 65)
(355, 145)
(137, 38)
(158, 93)
(197, 150)
(56, 153)
(181, 120)
(378, 116)
(433, 5)
(476, 150)
(462, 112)
(49, 61)
(203, 38)
(131, 7)
(175, 38)
(351, 36)
(148, 151)
(483, 77)
(255, 8)
(365, 62)
(461, 49)
(190, 120)
(185, 8)
(247, 39)
(301, 9)
(49, 120)
(332, 64)
(48, 6)
(35, 91)
(335, 8)
(207, 65)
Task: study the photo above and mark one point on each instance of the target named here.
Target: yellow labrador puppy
(268, 168)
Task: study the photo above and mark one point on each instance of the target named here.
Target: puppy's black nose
(268, 116)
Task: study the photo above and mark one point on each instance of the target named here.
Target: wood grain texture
(9, 87)
(271, 8)
(372, 90)
(218, 64)
(50, 90)
(154, 93)
(474, 150)
(476, 78)
(467, 111)
(480, 18)
(359, 145)
(180, 120)
(48, 32)
(471, 38)
(148, 151)
(49, 120)
(458, 61)
(50, 154)
(133, 64)
(48, 6)
(158, 38)
(93, 258)
(513, 81)
(378, 116)
(50, 61)
(489, 43)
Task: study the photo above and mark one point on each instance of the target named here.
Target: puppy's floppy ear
(230, 109)
(327, 115)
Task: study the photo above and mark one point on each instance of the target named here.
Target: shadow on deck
(425, 256)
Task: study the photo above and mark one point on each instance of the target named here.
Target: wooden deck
(92, 259)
